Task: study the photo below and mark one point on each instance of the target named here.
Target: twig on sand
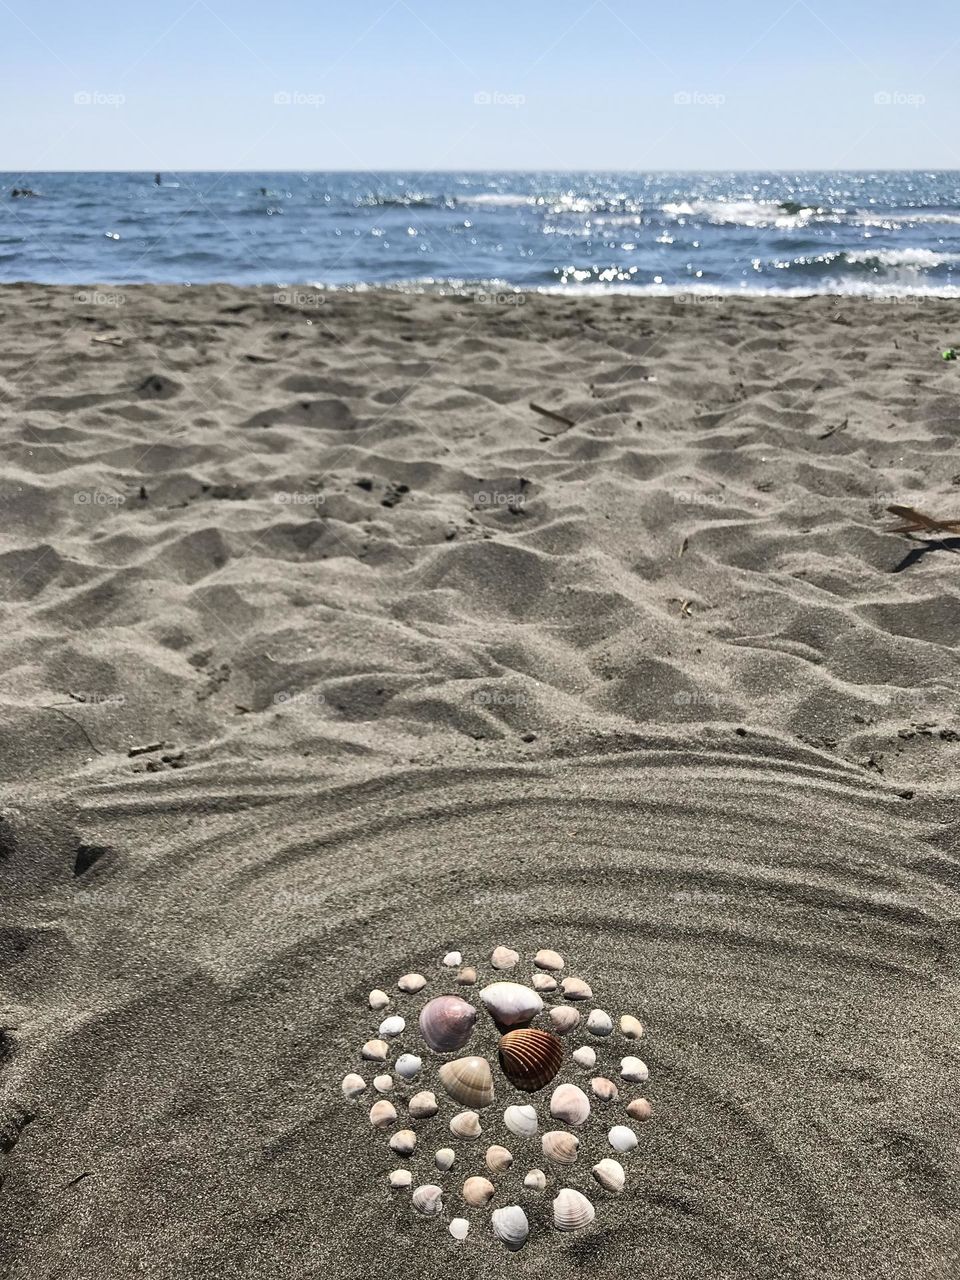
(60, 712)
(837, 426)
(553, 415)
(683, 546)
(915, 521)
(145, 749)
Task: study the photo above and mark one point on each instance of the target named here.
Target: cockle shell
(403, 1142)
(446, 1023)
(610, 1175)
(640, 1109)
(412, 983)
(572, 1211)
(428, 1200)
(478, 1191)
(521, 1120)
(498, 1159)
(564, 1018)
(391, 1027)
(630, 1027)
(570, 1104)
(605, 1089)
(459, 1228)
(408, 1065)
(423, 1105)
(468, 1080)
(536, 1180)
(633, 1069)
(585, 1057)
(382, 1114)
(378, 999)
(546, 959)
(510, 1225)
(383, 1084)
(510, 1003)
(444, 1158)
(543, 982)
(375, 1051)
(530, 1058)
(622, 1138)
(599, 1023)
(504, 958)
(400, 1178)
(467, 977)
(560, 1147)
(353, 1085)
(466, 1124)
(575, 989)
(453, 959)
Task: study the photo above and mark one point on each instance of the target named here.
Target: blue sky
(434, 84)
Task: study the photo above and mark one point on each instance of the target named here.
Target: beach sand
(417, 668)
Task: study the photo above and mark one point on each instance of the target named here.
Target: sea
(890, 233)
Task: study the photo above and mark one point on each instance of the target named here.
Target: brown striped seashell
(546, 959)
(569, 1104)
(403, 1142)
(467, 977)
(605, 1089)
(564, 1018)
(498, 1159)
(610, 1174)
(560, 1147)
(423, 1105)
(466, 1124)
(446, 1023)
(468, 1080)
(640, 1109)
(510, 1225)
(572, 1211)
(382, 1114)
(543, 982)
(530, 1058)
(575, 989)
(478, 1191)
(428, 1200)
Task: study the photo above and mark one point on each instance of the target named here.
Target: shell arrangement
(439, 1102)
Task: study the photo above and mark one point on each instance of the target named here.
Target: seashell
(468, 1080)
(599, 1023)
(412, 983)
(610, 1175)
(572, 1211)
(510, 1004)
(375, 1051)
(640, 1109)
(536, 1180)
(459, 1228)
(453, 959)
(564, 1018)
(586, 1057)
(605, 1089)
(521, 1120)
(498, 1159)
(403, 1142)
(510, 1225)
(633, 1069)
(570, 1104)
(446, 1023)
(467, 977)
(383, 1084)
(478, 1191)
(630, 1027)
(408, 1065)
(575, 989)
(400, 1178)
(428, 1200)
(622, 1138)
(546, 959)
(353, 1085)
(378, 999)
(504, 958)
(530, 1058)
(465, 1124)
(391, 1027)
(543, 982)
(423, 1105)
(382, 1114)
(444, 1158)
(560, 1147)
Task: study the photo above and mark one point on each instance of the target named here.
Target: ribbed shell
(530, 1058)
(560, 1147)
(428, 1200)
(510, 1225)
(468, 1080)
(572, 1211)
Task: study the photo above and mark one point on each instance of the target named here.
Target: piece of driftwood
(552, 413)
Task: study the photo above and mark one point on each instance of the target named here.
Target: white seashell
(428, 1200)
(353, 1085)
(467, 977)
(536, 1180)
(459, 1228)
(466, 1124)
(564, 1018)
(400, 1178)
(570, 1104)
(392, 1026)
(599, 1023)
(375, 1051)
(382, 1114)
(498, 1159)
(633, 1069)
(468, 1080)
(546, 959)
(605, 1089)
(510, 1225)
(572, 1211)
(403, 1142)
(630, 1027)
(504, 958)
(478, 1191)
(412, 983)
(408, 1065)
(610, 1175)
(521, 1120)
(510, 1003)
(378, 999)
(560, 1147)
(543, 982)
(575, 989)
(640, 1109)
(453, 959)
(445, 1158)
(383, 1084)
(423, 1105)
(586, 1057)
(622, 1138)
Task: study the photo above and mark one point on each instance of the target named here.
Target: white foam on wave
(745, 213)
(919, 259)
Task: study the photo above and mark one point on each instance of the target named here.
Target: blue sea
(785, 233)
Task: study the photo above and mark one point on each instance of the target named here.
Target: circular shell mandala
(492, 1094)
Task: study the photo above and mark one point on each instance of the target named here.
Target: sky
(505, 84)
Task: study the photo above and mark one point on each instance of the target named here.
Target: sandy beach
(325, 654)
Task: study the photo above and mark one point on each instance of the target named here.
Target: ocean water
(795, 233)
